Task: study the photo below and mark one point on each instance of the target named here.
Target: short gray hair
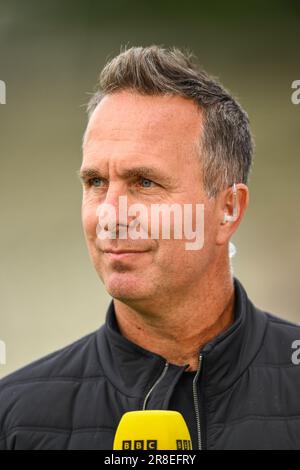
(226, 145)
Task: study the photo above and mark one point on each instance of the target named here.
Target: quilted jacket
(247, 390)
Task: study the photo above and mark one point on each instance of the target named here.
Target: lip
(119, 254)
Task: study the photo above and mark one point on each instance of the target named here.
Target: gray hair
(226, 144)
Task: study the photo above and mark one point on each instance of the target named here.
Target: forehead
(143, 123)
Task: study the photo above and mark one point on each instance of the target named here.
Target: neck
(178, 328)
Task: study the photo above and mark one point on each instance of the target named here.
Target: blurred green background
(51, 53)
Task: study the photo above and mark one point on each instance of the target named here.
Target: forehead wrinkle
(135, 150)
(148, 131)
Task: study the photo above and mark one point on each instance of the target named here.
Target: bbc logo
(183, 445)
(139, 445)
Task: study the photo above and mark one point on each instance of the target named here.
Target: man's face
(145, 148)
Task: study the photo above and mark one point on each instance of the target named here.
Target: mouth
(123, 254)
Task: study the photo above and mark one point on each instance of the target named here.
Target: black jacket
(248, 389)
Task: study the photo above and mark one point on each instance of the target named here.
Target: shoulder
(281, 341)
(51, 379)
(67, 361)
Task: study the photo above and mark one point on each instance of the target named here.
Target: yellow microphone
(152, 430)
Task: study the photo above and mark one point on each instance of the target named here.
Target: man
(180, 332)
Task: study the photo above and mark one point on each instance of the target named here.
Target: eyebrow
(139, 171)
(86, 173)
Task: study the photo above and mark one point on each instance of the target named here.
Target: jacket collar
(132, 369)
(230, 354)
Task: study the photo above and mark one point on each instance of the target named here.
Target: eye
(95, 182)
(146, 183)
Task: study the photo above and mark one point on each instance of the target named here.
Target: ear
(233, 203)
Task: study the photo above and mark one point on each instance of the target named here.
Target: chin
(125, 287)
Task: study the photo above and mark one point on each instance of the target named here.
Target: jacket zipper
(166, 366)
(196, 403)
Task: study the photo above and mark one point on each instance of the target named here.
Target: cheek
(173, 257)
(210, 227)
(177, 266)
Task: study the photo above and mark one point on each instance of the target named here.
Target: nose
(113, 210)
(113, 193)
